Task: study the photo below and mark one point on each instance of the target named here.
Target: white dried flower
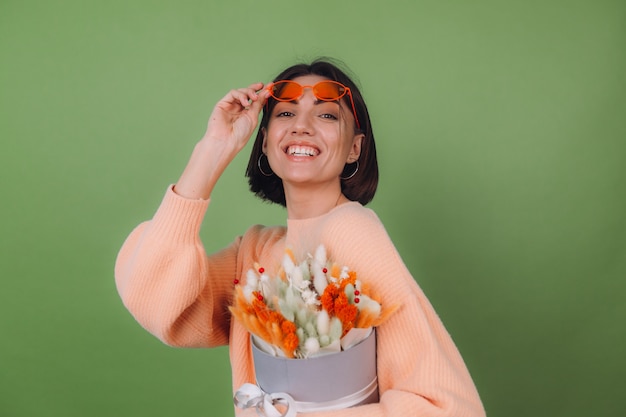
(252, 280)
(320, 255)
(310, 297)
(323, 322)
(344, 273)
(319, 279)
(336, 329)
(288, 264)
(311, 346)
(366, 303)
(296, 278)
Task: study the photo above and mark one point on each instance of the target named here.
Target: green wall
(500, 128)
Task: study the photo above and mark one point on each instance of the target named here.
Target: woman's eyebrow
(318, 101)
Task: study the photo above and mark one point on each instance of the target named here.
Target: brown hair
(362, 186)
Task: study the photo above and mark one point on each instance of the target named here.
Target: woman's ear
(355, 150)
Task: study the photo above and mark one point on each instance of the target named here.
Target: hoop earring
(356, 169)
(258, 163)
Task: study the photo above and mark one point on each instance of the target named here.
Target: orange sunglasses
(287, 90)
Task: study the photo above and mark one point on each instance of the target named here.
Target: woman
(314, 154)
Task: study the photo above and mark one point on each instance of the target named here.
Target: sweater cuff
(179, 219)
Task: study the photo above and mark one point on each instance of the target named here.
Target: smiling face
(362, 185)
(309, 141)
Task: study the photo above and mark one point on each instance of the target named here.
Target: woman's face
(309, 141)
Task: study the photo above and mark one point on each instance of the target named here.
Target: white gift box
(332, 381)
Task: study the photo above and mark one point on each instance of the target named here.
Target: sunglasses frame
(346, 90)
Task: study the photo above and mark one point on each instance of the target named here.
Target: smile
(298, 150)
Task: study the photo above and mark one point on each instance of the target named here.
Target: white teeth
(302, 151)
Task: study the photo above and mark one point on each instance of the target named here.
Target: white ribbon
(250, 395)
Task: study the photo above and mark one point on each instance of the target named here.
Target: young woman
(314, 153)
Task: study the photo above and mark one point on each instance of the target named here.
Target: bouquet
(309, 309)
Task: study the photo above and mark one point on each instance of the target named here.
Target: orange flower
(350, 280)
(328, 299)
(290, 344)
(290, 339)
(260, 308)
(275, 317)
(345, 312)
(288, 327)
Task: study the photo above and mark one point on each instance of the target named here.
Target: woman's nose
(302, 124)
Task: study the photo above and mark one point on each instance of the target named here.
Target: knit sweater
(181, 295)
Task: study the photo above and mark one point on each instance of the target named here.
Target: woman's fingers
(236, 115)
(246, 96)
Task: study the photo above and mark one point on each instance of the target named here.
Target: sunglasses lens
(328, 91)
(286, 90)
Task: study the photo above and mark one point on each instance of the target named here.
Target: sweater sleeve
(169, 284)
(420, 371)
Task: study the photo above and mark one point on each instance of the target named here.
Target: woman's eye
(284, 114)
(329, 116)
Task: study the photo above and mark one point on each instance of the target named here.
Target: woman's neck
(305, 203)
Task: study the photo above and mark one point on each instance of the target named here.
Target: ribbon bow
(250, 395)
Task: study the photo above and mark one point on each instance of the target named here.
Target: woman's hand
(235, 116)
(230, 126)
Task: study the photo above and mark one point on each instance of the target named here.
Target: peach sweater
(180, 294)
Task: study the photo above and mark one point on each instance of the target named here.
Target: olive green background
(500, 127)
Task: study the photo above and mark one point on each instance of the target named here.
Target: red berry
(261, 270)
(324, 270)
(260, 297)
(357, 292)
(236, 281)
(356, 300)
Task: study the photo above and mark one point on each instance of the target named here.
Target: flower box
(333, 381)
(312, 334)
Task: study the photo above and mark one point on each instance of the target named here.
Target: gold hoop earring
(258, 163)
(356, 169)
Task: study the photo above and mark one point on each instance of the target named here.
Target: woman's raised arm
(230, 126)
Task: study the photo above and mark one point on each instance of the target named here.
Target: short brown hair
(362, 186)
